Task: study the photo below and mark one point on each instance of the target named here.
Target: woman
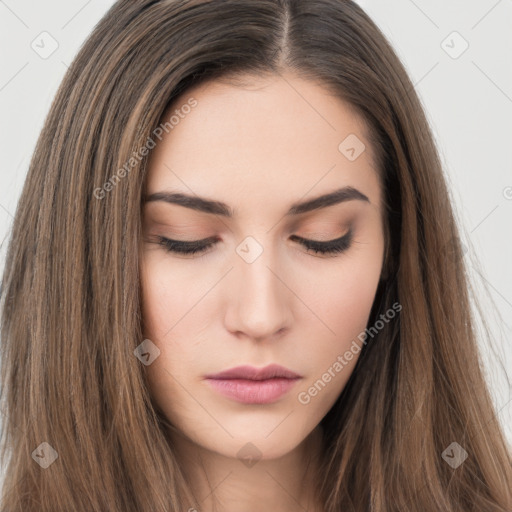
(240, 278)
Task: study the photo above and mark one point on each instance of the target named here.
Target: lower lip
(253, 391)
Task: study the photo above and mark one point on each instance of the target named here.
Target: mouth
(250, 385)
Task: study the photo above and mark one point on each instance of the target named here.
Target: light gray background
(467, 97)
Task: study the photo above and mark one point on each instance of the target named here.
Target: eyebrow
(218, 208)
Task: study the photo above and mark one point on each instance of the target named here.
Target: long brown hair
(71, 286)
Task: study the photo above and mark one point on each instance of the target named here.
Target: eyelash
(333, 247)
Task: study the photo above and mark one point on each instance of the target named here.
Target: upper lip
(251, 373)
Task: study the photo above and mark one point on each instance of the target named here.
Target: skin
(259, 148)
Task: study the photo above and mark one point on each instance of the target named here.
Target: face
(261, 292)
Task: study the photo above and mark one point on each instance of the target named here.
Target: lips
(271, 371)
(250, 385)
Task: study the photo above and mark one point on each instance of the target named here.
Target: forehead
(263, 138)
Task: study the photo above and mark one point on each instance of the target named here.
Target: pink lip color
(253, 391)
(251, 385)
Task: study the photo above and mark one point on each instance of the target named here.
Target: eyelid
(213, 239)
(316, 241)
(329, 248)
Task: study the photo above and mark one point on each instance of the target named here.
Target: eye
(336, 246)
(332, 247)
(187, 248)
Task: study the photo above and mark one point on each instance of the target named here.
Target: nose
(259, 299)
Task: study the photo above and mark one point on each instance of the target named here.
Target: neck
(230, 484)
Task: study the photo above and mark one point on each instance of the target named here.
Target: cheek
(343, 297)
(344, 307)
(168, 295)
(156, 301)
(169, 312)
(332, 358)
(163, 313)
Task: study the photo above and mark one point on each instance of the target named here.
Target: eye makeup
(330, 247)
